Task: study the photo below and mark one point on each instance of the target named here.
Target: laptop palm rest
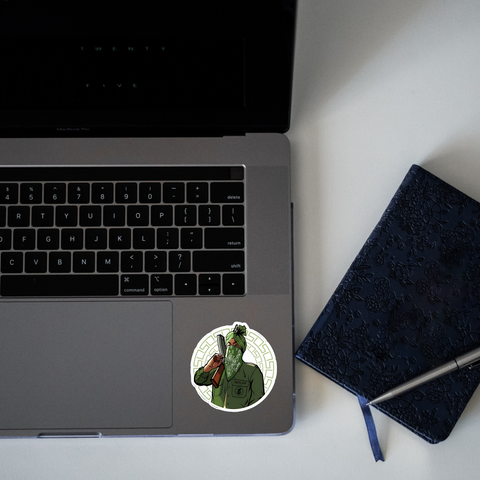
(85, 365)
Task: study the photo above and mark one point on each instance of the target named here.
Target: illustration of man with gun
(235, 383)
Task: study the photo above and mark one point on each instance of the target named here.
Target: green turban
(239, 333)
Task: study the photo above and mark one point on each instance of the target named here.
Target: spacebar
(58, 285)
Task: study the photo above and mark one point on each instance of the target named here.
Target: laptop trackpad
(85, 364)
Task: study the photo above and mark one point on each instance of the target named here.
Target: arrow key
(234, 284)
(209, 284)
(186, 284)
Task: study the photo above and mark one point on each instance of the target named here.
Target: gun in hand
(222, 349)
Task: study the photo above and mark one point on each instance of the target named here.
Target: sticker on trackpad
(233, 368)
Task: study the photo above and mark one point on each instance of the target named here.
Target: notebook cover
(409, 302)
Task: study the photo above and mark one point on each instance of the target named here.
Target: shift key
(218, 261)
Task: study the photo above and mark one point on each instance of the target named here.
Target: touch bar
(58, 285)
(116, 173)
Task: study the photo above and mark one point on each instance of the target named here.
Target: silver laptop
(145, 218)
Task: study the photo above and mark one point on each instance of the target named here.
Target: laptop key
(78, 193)
(5, 239)
(120, 238)
(58, 285)
(72, 239)
(162, 284)
(132, 261)
(108, 262)
(209, 215)
(19, 216)
(55, 193)
(197, 192)
(191, 238)
(209, 284)
(102, 193)
(218, 261)
(84, 262)
(186, 215)
(186, 284)
(35, 262)
(173, 193)
(66, 216)
(96, 238)
(60, 262)
(156, 261)
(8, 193)
(12, 262)
(162, 215)
(90, 216)
(150, 193)
(167, 238)
(126, 193)
(31, 193)
(228, 192)
(138, 216)
(179, 261)
(48, 239)
(233, 215)
(134, 285)
(234, 284)
(143, 238)
(42, 216)
(224, 238)
(23, 239)
(114, 216)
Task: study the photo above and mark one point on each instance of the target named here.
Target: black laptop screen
(145, 67)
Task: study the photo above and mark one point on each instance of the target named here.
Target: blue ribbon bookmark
(372, 431)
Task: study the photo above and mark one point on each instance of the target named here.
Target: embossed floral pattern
(410, 301)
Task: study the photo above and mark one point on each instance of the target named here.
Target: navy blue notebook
(409, 302)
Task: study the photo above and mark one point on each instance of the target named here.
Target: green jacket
(243, 390)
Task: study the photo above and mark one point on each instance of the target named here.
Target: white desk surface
(379, 85)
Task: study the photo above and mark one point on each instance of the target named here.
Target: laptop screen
(95, 68)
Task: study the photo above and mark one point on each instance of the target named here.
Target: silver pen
(465, 360)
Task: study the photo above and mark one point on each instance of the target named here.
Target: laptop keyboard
(122, 231)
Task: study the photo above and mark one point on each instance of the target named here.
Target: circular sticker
(233, 368)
